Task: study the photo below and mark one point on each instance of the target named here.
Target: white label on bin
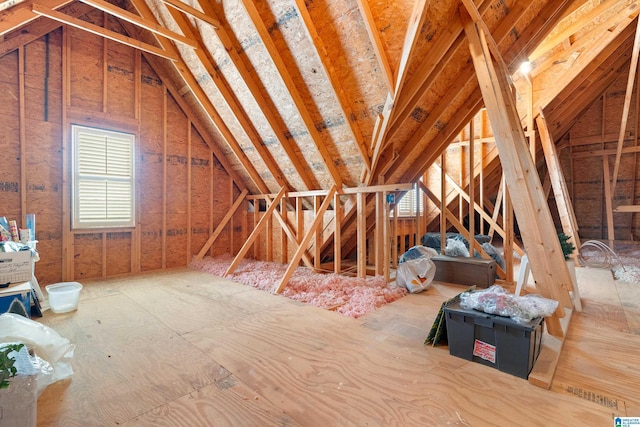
(626, 421)
(484, 351)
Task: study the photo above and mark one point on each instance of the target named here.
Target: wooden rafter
(270, 112)
(230, 98)
(22, 14)
(297, 98)
(413, 149)
(192, 11)
(206, 104)
(376, 43)
(334, 83)
(416, 21)
(418, 16)
(476, 16)
(305, 241)
(103, 32)
(425, 75)
(152, 26)
(39, 28)
(589, 48)
(427, 157)
(584, 51)
(569, 30)
(536, 30)
(569, 104)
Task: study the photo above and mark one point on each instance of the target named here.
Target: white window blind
(407, 205)
(103, 178)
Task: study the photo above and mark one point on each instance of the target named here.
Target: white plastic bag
(53, 351)
(417, 274)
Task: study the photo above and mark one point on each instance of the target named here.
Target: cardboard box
(15, 267)
(16, 299)
(492, 340)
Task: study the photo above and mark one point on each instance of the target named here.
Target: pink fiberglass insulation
(350, 296)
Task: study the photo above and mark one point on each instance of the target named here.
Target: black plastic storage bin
(493, 340)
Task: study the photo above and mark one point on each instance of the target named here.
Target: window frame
(118, 178)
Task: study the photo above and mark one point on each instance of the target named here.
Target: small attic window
(407, 205)
(103, 178)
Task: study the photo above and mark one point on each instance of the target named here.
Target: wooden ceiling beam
(416, 21)
(39, 28)
(229, 97)
(22, 14)
(568, 31)
(303, 111)
(565, 119)
(380, 143)
(103, 32)
(426, 157)
(192, 11)
(268, 109)
(376, 43)
(449, 42)
(536, 30)
(413, 148)
(476, 16)
(205, 103)
(334, 83)
(607, 62)
(422, 81)
(578, 97)
(152, 26)
(589, 46)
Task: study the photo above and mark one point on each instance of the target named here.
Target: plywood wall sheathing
(105, 85)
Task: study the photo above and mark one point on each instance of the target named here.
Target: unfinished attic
(175, 152)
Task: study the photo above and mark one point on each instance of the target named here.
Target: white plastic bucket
(64, 296)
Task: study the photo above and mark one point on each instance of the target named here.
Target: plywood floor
(183, 348)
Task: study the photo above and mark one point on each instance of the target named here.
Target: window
(103, 179)
(407, 205)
